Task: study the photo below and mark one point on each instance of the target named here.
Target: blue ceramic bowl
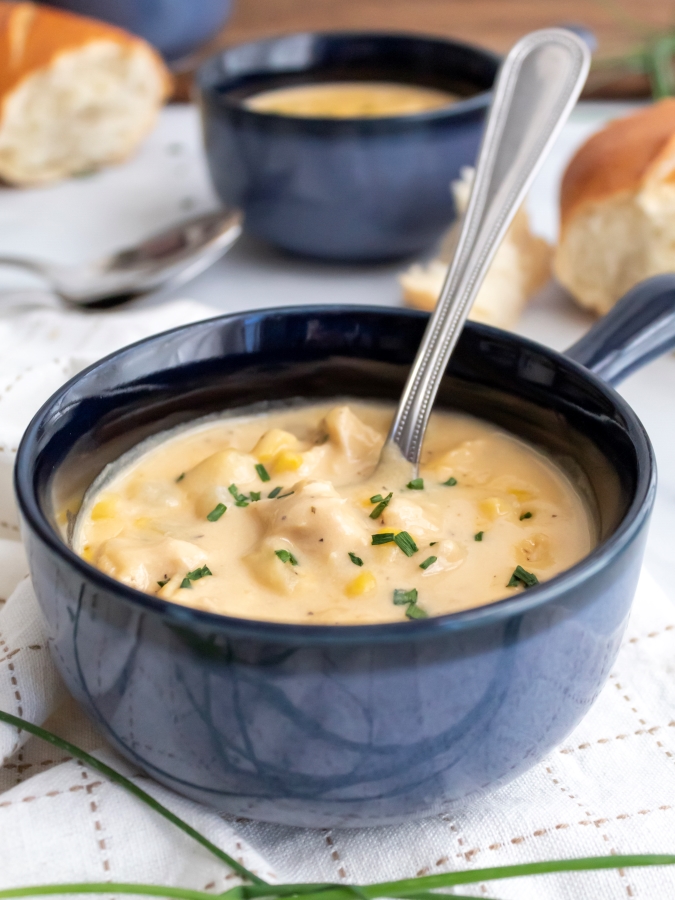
(175, 27)
(350, 725)
(343, 189)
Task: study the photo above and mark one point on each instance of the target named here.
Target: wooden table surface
(494, 23)
(619, 25)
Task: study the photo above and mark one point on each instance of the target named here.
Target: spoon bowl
(170, 257)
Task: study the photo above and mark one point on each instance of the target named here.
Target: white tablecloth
(609, 788)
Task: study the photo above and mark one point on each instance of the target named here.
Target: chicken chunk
(209, 480)
(471, 463)
(358, 441)
(316, 521)
(406, 515)
(141, 563)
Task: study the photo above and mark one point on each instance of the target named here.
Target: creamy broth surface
(193, 519)
(349, 100)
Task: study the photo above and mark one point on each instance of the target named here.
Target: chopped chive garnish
(409, 599)
(216, 512)
(381, 506)
(522, 576)
(376, 498)
(417, 484)
(406, 543)
(275, 492)
(162, 583)
(416, 612)
(281, 496)
(254, 496)
(263, 474)
(385, 538)
(356, 559)
(526, 515)
(429, 561)
(402, 540)
(402, 597)
(286, 557)
(451, 482)
(240, 499)
(478, 536)
(433, 543)
(180, 477)
(195, 575)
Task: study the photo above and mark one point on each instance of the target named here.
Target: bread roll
(521, 265)
(618, 208)
(75, 94)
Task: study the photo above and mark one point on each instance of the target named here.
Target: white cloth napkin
(609, 788)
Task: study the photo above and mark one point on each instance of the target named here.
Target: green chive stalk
(420, 888)
(653, 56)
(407, 887)
(108, 887)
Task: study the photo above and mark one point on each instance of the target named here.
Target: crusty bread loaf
(617, 206)
(75, 93)
(521, 265)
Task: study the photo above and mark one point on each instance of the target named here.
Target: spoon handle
(537, 86)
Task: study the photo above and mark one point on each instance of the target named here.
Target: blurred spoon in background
(171, 257)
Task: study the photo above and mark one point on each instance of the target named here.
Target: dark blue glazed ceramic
(175, 27)
(343, 189)
(360, 725)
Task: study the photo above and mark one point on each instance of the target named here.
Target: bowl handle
(638, 329)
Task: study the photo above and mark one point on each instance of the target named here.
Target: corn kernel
(520, 495)
(493, 507)
(143, 522)
(105, 509)
(362, 584)
(272, 443)
(287, 461)
(536, 550)
(87, 553)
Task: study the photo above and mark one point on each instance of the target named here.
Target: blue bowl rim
(455, 110)
(289, 633)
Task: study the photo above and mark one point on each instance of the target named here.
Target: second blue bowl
(344, 189)
(173, 26)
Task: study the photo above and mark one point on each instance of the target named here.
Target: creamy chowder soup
(350, 100)
(286, 516)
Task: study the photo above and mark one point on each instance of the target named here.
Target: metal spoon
(537, 86)
(173, 256)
